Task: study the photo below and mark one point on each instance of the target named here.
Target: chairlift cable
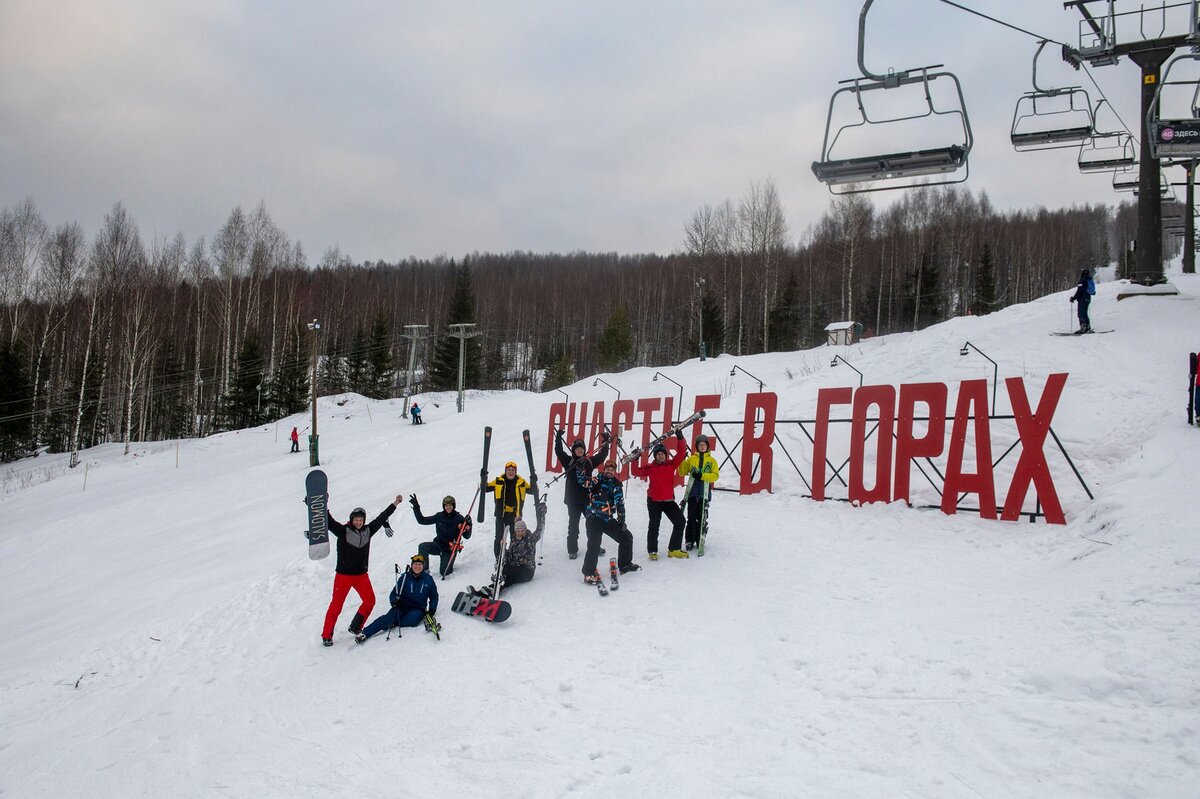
(1112, 107)
(1002, 22)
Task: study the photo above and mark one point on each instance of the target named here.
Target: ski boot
(653, 556)
(356, 624)
(629, 567)
(327, 641)
(678, 553)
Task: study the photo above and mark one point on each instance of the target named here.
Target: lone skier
(414, 595)
(509, 490)
(605, 516)
(574, 494)
(447, 523)
(660, 496)
(353, 557)
(520, 559)
(1082, 298)
(295, 440)
(701, 467)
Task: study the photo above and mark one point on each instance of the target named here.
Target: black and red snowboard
(474, 604)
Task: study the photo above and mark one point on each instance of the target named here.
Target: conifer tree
(443, 368)
(616, 341)
(985, 283)
(380, 376)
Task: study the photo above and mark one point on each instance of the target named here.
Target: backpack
(1091, 286)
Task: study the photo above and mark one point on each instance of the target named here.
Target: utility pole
(413, 336)
(700, 286)
(460, 332)
(1189, 229)
(313, 457)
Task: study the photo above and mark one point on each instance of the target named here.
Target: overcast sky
(418, 128)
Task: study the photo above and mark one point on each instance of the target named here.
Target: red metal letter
(758, 445)
(558, 412)
(884, 398)
(972, 401)
(930, 445)
(1032, 466)
(826, 398)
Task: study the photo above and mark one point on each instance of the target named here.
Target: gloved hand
(1071, 299)
(679, 434)
(695, 472)
(413, 501)
(605, 436)
(559, 434)
(387, 529)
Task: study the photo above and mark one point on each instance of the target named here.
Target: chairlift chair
(1126, 181)
(1106, 152)
(896, 169)
(1174, 136)
(1064, 119)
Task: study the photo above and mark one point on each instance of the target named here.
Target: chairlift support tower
(1098, 45)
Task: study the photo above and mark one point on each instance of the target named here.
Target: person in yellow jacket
(702, 471)
(509, 490)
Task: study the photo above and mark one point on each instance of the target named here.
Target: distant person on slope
(353, 555)
(605, 516)
(415, 413)
(660, 496)
(1083, 298)
(295, 440)
(574, 494)
(520, 559)
(446, 523)
(414, 595)
(702, 470)
(509, 491)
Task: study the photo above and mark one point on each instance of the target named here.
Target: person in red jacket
(660, 498)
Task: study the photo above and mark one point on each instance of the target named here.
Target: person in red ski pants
(353, 556)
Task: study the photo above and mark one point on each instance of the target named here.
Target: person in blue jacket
(1082, 298)
(447, 522)
(414, 595)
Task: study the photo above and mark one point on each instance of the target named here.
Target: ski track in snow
(816, 650)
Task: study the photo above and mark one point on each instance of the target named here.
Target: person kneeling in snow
(447, 522)
(414, 595)
(520, 559)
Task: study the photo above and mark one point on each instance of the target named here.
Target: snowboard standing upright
(316, 497)
(1192, 366)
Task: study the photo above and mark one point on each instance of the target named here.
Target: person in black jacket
(353, 556)
(414, 595)
(574, 494)
(447, 523)
(520, 559)
(1082, 298)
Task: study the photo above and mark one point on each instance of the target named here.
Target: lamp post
(600, 380)
(737, 368)
(314, 458)
(566, 396)
(703, 349)
(995, 370)
(679, 407)
(837, 358)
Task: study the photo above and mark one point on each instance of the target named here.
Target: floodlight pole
(413, 337)
(314, 458)
(459, 331)
(1189, 225)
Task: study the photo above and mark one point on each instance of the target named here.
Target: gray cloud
(416, 128)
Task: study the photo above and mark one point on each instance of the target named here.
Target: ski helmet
(358, 512)
(511, 463)
(657, 449)
(703, 439)
(418, 559)
(578, 445)
(449, 500)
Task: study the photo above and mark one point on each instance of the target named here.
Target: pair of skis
(703, 512)
(613, 583)
(636, 452)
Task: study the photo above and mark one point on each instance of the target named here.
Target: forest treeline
(109, 337)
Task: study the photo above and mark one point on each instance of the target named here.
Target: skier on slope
(509, 489)
(446, 523)
(415, 413)
(520, 559)
(353, 556)
(660, 496)
(414, 595)
(574, 494)
(701, 467)
(295, 437)
(605, 516)
(1083, 298)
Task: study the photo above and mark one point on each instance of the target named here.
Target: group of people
(597, 496)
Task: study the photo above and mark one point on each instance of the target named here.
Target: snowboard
(493, 610)
(316, 497)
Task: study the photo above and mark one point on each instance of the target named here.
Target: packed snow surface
(161, 618)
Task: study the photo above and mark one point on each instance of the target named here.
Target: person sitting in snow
(447, 522)
(1082, 299)
(414, 595)
(660, 496)
(520, 558)
(353, 556)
